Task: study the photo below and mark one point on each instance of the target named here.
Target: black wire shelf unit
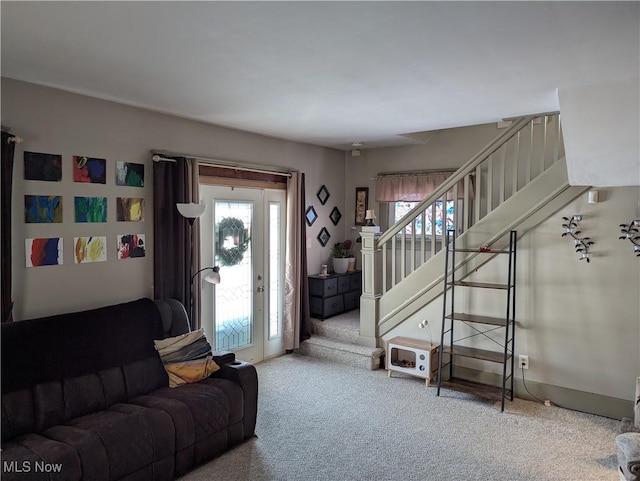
(480, 325)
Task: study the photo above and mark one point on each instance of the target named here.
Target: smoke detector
(355, 149)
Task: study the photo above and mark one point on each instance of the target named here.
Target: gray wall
(58, 122)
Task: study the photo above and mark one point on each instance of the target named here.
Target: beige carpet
(327, 421)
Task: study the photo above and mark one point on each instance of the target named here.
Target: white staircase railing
(512, 160)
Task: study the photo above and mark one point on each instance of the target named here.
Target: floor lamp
(191, 212)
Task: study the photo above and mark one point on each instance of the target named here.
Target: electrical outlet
(524, 361)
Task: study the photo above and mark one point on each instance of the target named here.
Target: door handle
(260, 288)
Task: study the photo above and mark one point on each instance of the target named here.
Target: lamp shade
(213, 278)
(191, 211)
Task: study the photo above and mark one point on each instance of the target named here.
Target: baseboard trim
(575, 400)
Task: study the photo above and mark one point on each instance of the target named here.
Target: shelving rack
(480, 324)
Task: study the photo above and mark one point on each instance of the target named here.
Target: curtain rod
(415, 172)
(216, 163)
(16, 139)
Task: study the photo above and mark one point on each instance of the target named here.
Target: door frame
(262, 346)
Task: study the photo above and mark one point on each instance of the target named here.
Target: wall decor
(129, 174)
(362, 203)
(630, 232)
(39, 166)
(43, 209)
(129, 209)
(323, 195)
(581, 244)
(310, 215)
(43, 252)
(89, 170)
(90, 209)
(89, 249)
(130, 246)
(335, 216)
(323, 237)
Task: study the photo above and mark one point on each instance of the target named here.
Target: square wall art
(89, 170)
(90, 209)
(130, 174)
(130, 246)
(43, 209)
(129, 209)
(89, 249)
(43, 252)
(47, 167)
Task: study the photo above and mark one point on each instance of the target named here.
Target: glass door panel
(233, 235)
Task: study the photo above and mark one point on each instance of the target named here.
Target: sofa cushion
(70, 345)
(30, 456)
(201, 413)
(124, 441)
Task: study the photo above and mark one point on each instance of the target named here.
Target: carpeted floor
(328, 421)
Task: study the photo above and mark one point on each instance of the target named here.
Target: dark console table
(335, 293)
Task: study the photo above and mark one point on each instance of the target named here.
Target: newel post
(370, 287)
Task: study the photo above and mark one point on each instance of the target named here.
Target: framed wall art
(335, 216)
(323, 195)
(311, 215)
(323, 237)
(362, 204)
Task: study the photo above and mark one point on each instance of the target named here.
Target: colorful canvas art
(89, 170)
(43, 252)
(38, 166)
(130, 209)
(90, 209)
(43, 209)
(130, 174)
(130, 246)
(89, 249)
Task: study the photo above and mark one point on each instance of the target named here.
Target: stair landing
(335, 339)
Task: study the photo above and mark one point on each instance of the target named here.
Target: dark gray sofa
(85, 396)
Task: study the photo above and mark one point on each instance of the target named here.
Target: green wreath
(231, 256)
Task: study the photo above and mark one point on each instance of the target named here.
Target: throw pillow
(187, 358)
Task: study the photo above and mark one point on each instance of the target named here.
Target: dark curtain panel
(171, 232)
(8, 148)
(305, 317)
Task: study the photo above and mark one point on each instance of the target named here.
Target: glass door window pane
(275, 269)
(234, 323)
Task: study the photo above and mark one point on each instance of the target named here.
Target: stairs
(335, 339)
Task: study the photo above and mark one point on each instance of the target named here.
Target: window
(401, 208)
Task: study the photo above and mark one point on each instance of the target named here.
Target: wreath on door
(231, 228)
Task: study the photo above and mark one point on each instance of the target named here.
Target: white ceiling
(326, 73)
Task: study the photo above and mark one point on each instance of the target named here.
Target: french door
(243, 233)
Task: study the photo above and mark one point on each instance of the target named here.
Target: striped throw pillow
(186, 358)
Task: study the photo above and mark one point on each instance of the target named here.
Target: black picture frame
(362, 204)
(323, 237)
(323, 195)
(335, 216)
(311, 215)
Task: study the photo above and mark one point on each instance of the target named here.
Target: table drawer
(356, 282)
(333, 305)
(351, 300)
(344, 284)
(323, 287)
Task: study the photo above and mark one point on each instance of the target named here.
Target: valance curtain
(176, 251)
(8, 148)
(414, 187)
(296, 323)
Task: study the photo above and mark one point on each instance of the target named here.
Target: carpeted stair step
(344, 352)
(337, 330)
